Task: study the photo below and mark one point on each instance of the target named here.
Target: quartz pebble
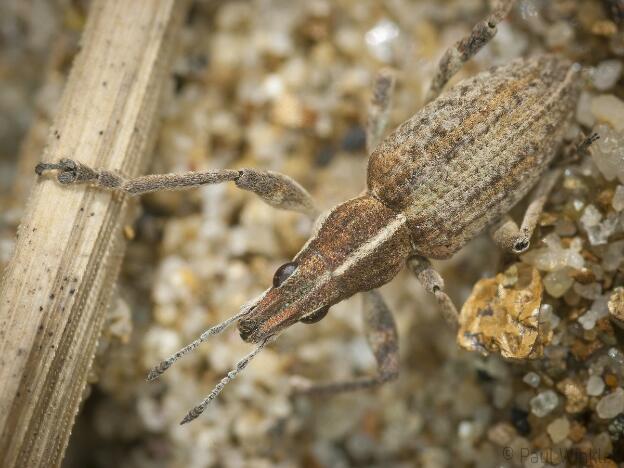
(554, 256)
(608, 108)
(608, 152)
(559, 429)
(557, 282)
(611, 405)
(598, 231)
(531, 379)
(595, 386)
(598, 310)
(543, 403)
(606, 74)
(617, 202)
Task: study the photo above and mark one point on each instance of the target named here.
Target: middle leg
(432, 281)
(382, 337)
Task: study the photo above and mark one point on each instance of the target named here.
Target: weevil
(442, 177)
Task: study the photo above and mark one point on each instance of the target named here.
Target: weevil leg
(432, 281)
(382, 337)
(379, 108)
(506, 232)
(463, 50)
(278, 190)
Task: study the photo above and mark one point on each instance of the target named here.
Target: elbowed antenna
(240, 365)
(167, 363)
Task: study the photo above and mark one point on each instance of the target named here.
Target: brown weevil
(452, 170)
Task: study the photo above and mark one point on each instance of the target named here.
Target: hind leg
(463, 50)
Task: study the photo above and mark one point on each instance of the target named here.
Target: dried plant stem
(56, 287)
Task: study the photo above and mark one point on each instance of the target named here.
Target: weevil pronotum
(443, 176)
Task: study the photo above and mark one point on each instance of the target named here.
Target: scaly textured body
(466, 158)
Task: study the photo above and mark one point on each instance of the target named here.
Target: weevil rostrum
(442, 177)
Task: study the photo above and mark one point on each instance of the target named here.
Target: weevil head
(359, 246)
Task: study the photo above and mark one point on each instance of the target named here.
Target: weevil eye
(283, 273)
(315, 316)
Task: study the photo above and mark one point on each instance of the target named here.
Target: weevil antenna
(240, 365)
(167, 363)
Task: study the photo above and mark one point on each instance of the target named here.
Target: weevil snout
(361, 245)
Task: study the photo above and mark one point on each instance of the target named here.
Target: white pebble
(608, 108)
(595, 385)
(532, 379)
(611, 405)
(559, 429)
(606, 74)
(543, 403)
(618, 198)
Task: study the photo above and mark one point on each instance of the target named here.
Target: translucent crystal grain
(598, 310)
(608, 152)
(609, 108)
(559, 429)
(595, 386)
(611, 405)
(543, 403)
(606, 74)
(613, 256)
(554, 256)
(532, 379)
(583, 110)
(618, 198)
(380, 38)
(588, 291)
(557, 282)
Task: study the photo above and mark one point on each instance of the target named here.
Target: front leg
(432, 281)
(382, 337)
(278, 190)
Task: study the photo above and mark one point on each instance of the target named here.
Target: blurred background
(284, 85)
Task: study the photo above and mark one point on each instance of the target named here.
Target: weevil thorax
(359, 246)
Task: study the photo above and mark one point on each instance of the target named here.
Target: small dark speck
(324, 155)
(34, 229)
(40, 308)
(104, 83)
(72, 291)
(40, 327)
(92, 214)
(50, 333)
(51, 296)
(81, 209)
(519, 419)
(354, 139)
(62, 287)
(101, 132)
